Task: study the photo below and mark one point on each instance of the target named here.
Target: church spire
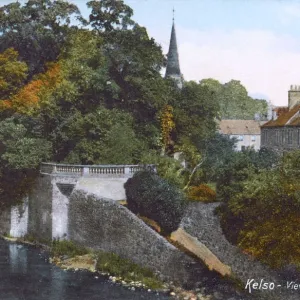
(173, 69)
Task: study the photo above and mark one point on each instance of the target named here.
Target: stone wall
(62, 187)
(281, 138)
(101, 223)
(201, 222)
(40, 209)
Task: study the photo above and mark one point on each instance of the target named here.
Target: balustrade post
(54, 169)
(126, 170)
(85, 171)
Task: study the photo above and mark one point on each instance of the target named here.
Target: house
(246, 132)
(282, 133)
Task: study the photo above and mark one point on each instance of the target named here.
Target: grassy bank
(109, 263)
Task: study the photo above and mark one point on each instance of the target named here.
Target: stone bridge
(44, 213)
(102, 180)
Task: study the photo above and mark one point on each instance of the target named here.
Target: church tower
(173, 69)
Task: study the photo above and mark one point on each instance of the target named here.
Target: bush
(202, 193)
(155, 198)
(68, 248)
(168, 168)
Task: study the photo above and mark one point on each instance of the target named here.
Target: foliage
(15, 185)
(107, 15)
(20, 154)
(64, 247)
(113, 264)
(37, 30)
(234, 101)
(195, 113)
(202, 193)
(154, 198)
(235, 169)
(12, 73)
(30, 97)
(216, 150)
(167, 125)
(274, 241)
(102, 137)
(19, 149)
(167, 168)
(134, 62)
(238, 167)
(267, 209)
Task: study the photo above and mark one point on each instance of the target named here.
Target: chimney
(294, 95)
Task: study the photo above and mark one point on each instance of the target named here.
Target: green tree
(37, 30)
(12, 73)
(108, 15)
(102, 137)
(21, 152)
(215, 151)
(234, 101)
(195, 113)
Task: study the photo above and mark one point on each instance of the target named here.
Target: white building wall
(247, 141)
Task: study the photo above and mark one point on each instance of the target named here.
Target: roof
(284, 117)
(233, 127)
(173, 58)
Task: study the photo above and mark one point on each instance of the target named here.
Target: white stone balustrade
(92, 170)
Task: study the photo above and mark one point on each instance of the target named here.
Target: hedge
(155, 198)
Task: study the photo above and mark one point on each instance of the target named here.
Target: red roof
(284, 115)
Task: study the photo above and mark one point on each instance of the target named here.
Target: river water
(26, 274)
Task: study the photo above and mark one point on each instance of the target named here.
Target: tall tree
(195, 113)
(234, 101)
(109, 15)
(37, 30)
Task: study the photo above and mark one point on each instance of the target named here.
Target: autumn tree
(33, 95)
(167, 125)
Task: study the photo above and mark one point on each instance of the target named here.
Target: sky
(256, 42)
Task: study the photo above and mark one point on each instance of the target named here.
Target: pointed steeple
(173, 68)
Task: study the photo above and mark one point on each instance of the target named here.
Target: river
(26, 274)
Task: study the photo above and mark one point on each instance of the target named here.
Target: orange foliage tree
(167, 125)
(202, 193)
(30, 97)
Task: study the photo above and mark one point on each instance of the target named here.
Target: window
(240, 138)
(253, 138)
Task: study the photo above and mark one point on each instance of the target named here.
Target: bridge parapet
(123, 171)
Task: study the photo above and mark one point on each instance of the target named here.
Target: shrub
(68, 248)
(155, 198)
(201, 193)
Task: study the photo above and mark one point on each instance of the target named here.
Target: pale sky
(254, 41)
